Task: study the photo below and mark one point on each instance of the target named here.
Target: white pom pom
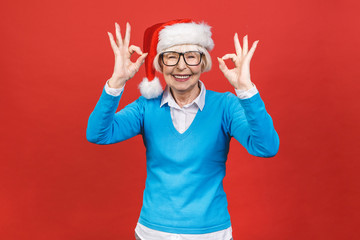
(151, 89)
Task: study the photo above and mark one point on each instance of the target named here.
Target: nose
(181, 64)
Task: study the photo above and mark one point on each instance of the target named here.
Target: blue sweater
(184, 187)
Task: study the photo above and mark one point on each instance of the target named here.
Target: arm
(246, 116)
(250, 124)
(104, 126)
(107, 127)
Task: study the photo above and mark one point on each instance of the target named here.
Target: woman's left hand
(239, 76)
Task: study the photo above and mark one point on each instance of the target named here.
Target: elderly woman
(186, 129)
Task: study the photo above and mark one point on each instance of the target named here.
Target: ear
(161, 65)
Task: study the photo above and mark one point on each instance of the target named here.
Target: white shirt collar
(199, 100)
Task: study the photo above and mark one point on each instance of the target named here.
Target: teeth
(181, 76)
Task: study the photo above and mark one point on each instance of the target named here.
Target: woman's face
(182, 78)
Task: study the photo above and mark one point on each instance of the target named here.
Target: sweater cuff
(245, 94)
(113, 91)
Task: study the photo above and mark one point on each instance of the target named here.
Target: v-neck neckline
(172, 127)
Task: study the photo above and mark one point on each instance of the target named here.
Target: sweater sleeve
(107, 127)
(250, 124)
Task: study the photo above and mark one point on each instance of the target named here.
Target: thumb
(222, 65)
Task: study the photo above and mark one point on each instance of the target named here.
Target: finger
(245, 45)
(237, 45)
(127, 35)
(113, 44)
(136, 49)
(252, 50)
(231, 56)
(118, 35)
(222, 65)
(140, 61)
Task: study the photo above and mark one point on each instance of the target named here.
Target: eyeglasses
(191, 58)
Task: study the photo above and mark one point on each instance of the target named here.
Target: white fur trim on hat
(150, 89)
(185, 33)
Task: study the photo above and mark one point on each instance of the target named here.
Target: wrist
(115, 82)
(244, 87)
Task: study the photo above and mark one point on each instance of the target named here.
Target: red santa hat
(162, 36)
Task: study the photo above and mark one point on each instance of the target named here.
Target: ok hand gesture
(124, 68)
(239, 77)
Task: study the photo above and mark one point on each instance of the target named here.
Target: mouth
(182, 77)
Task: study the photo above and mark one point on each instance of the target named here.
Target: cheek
(167, 75)
(197, 70)
(166, 70)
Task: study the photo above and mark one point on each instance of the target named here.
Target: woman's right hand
(124, 68)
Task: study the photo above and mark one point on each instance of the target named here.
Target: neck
(183, 98)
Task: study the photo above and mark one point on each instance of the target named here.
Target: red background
(55, 59)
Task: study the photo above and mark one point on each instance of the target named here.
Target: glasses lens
(170, 58)
(192, 58)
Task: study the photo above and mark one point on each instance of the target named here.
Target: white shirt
(182, 119)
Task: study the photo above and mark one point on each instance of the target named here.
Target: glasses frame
(180, 54)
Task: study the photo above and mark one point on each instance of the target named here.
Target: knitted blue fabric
(184, 190)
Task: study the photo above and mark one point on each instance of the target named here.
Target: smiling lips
(181, 78)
